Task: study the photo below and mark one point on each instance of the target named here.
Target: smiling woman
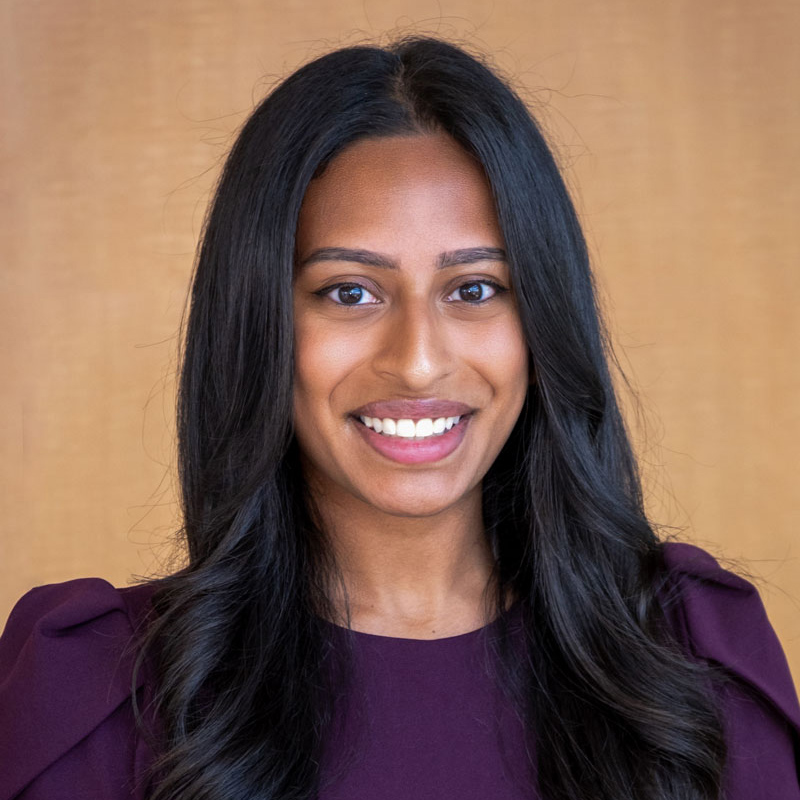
(419, 565)
(410, 372)
(404, 397)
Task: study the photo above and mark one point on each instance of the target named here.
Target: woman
(418, 560)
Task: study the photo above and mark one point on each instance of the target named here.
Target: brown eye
(349, 294)
(475, 292)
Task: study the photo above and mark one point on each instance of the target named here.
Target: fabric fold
(721, 620)
(66, 666)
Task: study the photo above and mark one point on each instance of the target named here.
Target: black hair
(242, 666)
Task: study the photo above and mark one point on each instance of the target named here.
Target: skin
(408, 538)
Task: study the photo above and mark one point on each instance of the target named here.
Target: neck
(414, 577)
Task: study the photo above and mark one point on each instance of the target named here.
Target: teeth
(408, 429)
(423, 428)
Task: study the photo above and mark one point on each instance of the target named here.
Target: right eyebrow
(366, 257)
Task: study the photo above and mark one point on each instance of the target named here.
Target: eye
(348, 294)
(475, 292)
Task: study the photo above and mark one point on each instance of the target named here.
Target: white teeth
(424, 427)
(408, 429)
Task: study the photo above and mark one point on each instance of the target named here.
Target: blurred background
(678, 127)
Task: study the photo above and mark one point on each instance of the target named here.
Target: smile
(410, 429)
(407, 441)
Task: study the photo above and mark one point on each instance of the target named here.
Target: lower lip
(415, 451)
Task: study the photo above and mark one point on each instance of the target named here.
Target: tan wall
(681, 128)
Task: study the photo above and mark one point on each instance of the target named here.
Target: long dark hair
(241, 662)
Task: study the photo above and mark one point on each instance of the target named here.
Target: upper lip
(413, 409)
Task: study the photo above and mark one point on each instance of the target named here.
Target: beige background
(678, 123)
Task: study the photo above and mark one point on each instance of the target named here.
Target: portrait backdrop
(678, 127)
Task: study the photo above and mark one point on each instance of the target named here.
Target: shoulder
(67, 658)
(719, 619)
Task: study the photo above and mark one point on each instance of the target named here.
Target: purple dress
(430, 723)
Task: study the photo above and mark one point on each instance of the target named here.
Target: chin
(417, 501)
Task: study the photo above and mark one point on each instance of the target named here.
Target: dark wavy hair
(243, 670)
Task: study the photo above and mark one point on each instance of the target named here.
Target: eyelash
(328, 290)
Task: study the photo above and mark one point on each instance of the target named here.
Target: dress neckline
(512, 614)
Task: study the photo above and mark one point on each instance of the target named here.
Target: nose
(414, 349)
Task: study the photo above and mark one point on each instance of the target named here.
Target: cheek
(503, 357)
(322, 361)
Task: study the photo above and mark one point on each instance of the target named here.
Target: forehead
(392, 187)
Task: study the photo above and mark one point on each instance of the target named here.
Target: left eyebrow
(470, 255)
(451, 258)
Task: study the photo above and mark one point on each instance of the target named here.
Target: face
(410, 364)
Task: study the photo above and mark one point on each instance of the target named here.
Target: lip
(413, 409)
(415, 451)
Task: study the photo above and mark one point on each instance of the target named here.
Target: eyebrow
(451, 258)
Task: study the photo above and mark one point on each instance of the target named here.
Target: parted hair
(245, 677)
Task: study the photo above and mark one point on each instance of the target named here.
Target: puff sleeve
(67, 726)
(720, 619)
